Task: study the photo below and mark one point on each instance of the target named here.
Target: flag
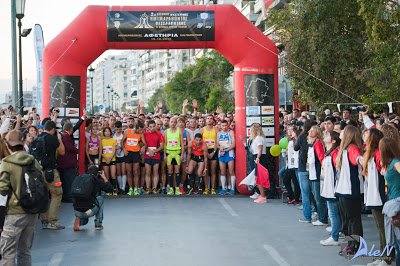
(262, 176)
(250, 180)
(39, 46)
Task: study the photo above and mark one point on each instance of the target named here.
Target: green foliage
(382, 18)
(159, 94)
(206, 81)
(327, 39)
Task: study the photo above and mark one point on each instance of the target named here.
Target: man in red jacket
(67, 163)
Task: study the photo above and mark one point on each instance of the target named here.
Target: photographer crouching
(85, 189)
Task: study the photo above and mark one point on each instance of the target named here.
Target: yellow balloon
(275, 150)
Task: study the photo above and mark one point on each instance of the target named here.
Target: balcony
(252, 17)
(278, 4)
(248, 9)
(258, 6)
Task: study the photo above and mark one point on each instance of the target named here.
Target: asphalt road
(194, 230)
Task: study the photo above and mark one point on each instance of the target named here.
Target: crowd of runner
(336, 167)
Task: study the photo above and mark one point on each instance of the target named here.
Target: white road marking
(275, 255)
(228, 208)
(56, 259)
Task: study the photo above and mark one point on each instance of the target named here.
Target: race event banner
(260, 108)
(65, 95)
(160, 26)
(39, 46)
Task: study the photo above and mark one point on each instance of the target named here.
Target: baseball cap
(15, 138)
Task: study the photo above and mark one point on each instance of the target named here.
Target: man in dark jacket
(67, 163)
(84, 209)
(19, 226)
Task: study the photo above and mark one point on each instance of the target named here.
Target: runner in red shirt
(155, 144)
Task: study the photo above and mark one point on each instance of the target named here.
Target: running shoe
(219, 190)
(222, 192)
(108, 194)
(130, 192)
(171, 191)
(103, 193)
(231, 192)
(319, 223)
(155, 191)
(195, 191)
(76, 224)
(141, 191)
(261, 200)
(164, 191)
(148, 191)
(213, 192)
(136, 192)
(178, 191)
(206, 191)
(304, 221)
(255, 195)
(115, 192)
(182, 190)
(291, 201)
(190, 191)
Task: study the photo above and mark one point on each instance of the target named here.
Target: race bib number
(93, 147)
(184, 141)
(107, 149)
(118, 141)
(224, 144)
(150, 148)
(132, 142)
(173, 143)
(210, 142)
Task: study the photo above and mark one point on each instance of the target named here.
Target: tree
(159, 94)
(206, 81)
(327, 39)
(382, 18)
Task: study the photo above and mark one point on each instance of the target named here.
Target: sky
(53, 16)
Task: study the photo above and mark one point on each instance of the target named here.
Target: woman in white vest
(292, 165)
(350, 185)
(328, 172)
(374, 186)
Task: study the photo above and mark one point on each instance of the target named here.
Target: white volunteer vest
(311, 163)
(372, 196)
(343, 186)
(327, 178)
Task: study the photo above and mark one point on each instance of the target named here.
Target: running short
(111, 163)
(151, 161)
(120, 159)
(93, 158)
(226, 158)
(173, 157)
(197, 159)
(215, 157)
(133, 157)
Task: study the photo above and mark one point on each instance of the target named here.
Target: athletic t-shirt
(108, 145)
(118, 139)
(153, 141)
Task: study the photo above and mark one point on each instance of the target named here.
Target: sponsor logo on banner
(267, 110)
(268, 121)
(252, 120)
(269, 131)
(252, 110)
(269, 142)
(248, 132)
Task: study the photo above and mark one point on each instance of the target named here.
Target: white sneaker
(329, 242)
(381, 263)
(319, 223)
(255, 195)
(377, 263)
(300, 207)
(314, 216)
(341, 235)
(329, 229)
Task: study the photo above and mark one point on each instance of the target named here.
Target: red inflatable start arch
(221, 27)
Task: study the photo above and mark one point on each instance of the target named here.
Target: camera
(359, 108)
(100, 172)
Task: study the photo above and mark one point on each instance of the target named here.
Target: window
(125, 72)
(125, 95)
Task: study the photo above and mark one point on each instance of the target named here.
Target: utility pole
(14, 94)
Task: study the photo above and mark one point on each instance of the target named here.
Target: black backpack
(34, 196)
(39, 151)
(82, 187)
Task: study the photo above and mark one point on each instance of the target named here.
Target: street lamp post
(108, 99)
(20, 10)
(112, 99)
(91, 73)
